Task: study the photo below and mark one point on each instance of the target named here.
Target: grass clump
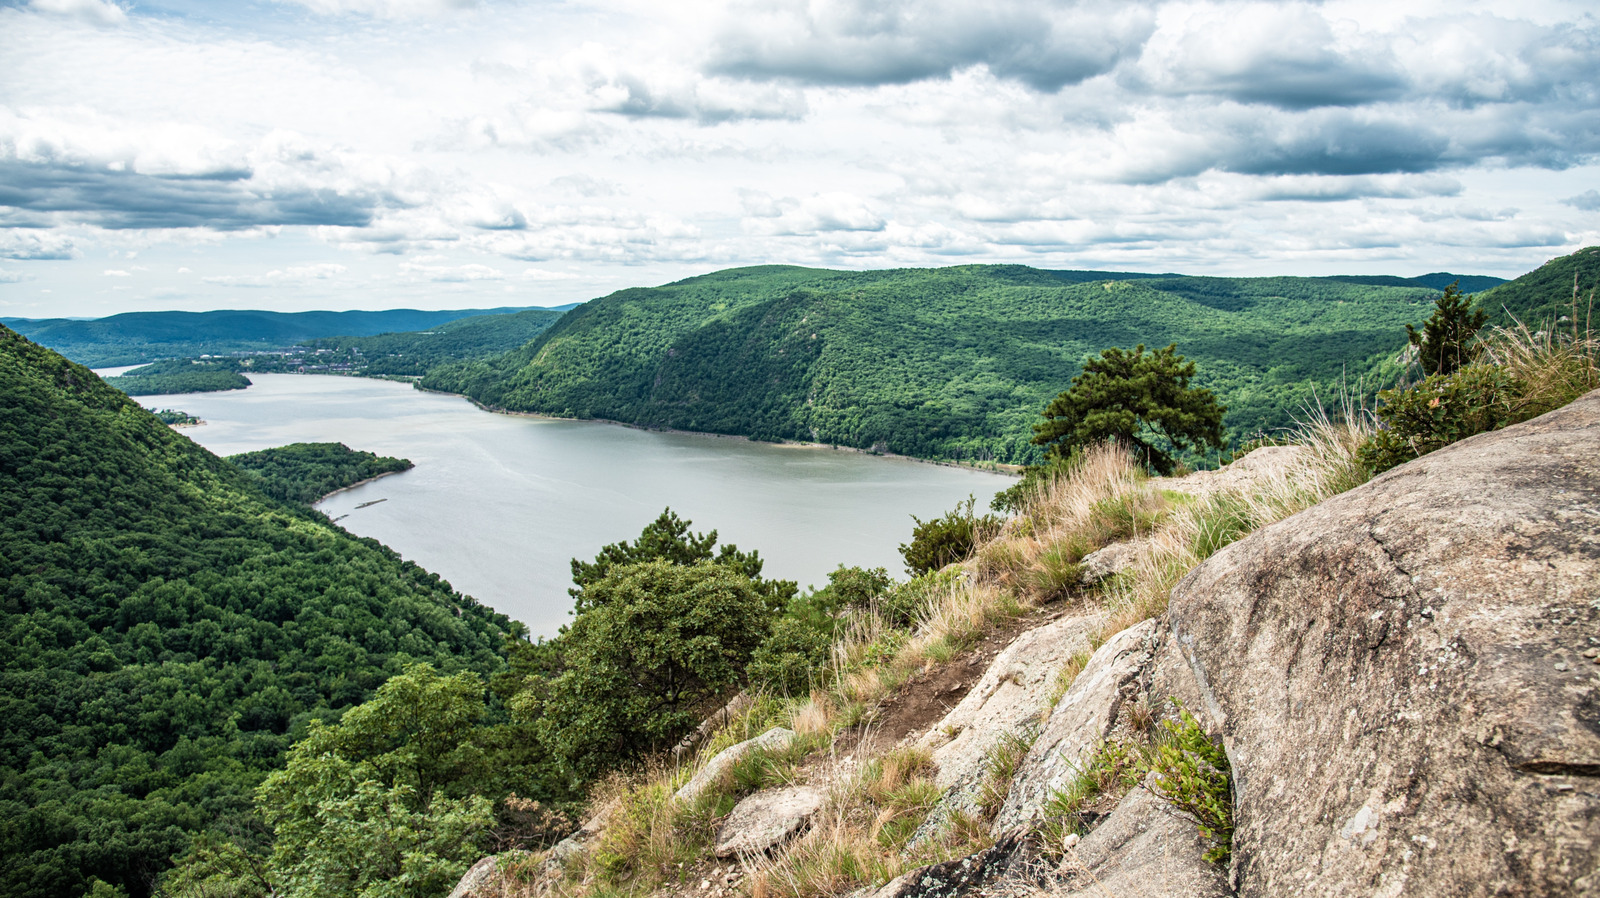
(1000, 767)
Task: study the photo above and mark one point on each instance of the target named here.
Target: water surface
(498, 504)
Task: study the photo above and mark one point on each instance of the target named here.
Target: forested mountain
(952, 362)
(169, 631)
(302, 473)
(1546, 293)
(135, 337)
(413, 353)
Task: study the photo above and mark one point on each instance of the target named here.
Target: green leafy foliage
(386, 803)
(946, 540)
(171, 416)
(669, 539)
(180, 376)
(1141, 401)
(952, 362)
(169, 631)
(1447, 339)
(656, 642)
(413, 354)
(1193, 773)
(1441, 410)
(1546, 293)
(305, 472)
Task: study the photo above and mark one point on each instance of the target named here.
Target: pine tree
(1141, 400)
(1447, 339)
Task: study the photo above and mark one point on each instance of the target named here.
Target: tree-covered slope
(168, 630)
(134, 337)
(952, 362)
(465, 339)
(1544, 295)
(302, 473)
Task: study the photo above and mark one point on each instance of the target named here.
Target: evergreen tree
(1140, 400)
(1448, 338)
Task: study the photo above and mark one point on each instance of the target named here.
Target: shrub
(1440, 410)
(1192, 772)
(791, 659)
(946, 540)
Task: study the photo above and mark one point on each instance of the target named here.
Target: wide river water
(498, 504)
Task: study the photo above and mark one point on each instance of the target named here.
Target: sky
(369, 154)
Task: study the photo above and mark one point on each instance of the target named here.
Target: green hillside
(952, 362)
(180, 376)
(169, 631)
(412, 354)
(1545, 294)
(135, 337)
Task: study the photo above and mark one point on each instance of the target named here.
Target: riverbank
(987, 466)
(346, 489)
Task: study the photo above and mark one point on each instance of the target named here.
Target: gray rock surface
(774, 739)
(481, 881)
(765, 820)
(1144, 849)
(1008, 698)
(1081, 720)
(1109, 561)
(1401, 680)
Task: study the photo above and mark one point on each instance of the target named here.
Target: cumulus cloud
(13, 277)
(869, 42)
(1278, 54)
(1588, 201)
(818, 214)
(37, 245)
(92, 171)
(280, 277)
(449, 274)
(94, 12)
(385, 9)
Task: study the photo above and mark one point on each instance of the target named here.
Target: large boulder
(1007, 699)
(1084, 717)
(1403, 675)
(765, 820)
(1145, 847)
(775, 739)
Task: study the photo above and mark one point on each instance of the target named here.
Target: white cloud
(13, 277)
(386, 9)
(281, 277)
(116, 273)
(95, 12)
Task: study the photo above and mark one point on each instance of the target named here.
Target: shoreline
(988, 467)
(346, 489)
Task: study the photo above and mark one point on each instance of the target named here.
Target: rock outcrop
(765, 820)
(1008, 698)
(774, 739)
(1400, 675)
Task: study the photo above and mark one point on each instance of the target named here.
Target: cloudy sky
(300, 154)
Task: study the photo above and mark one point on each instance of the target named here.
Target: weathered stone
(485, 879)
(1144, 847)
(1081, 720)
(965, 876)
(775, 739)
(766, 820)
(737, 705)
(1398, 678)
(1006, 699)
(1253, 467)
(1109, 561)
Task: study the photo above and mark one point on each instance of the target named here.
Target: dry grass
(1551, 367)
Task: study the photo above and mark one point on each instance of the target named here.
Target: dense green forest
(412, 354)
(181, 376)
(952, 363)
(170, 631)
(1545, 295)
(305, 472)
(135, 337)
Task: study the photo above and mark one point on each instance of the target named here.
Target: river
(498, 504)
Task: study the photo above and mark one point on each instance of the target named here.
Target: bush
(946, 540)
(791, 658)
(1437, 412)
(657, 643)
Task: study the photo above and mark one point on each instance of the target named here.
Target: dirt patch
(929, 695)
